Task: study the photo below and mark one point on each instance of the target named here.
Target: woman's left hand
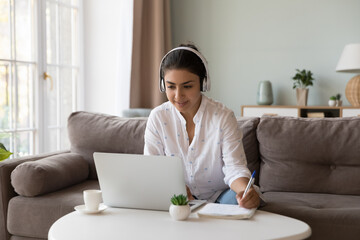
(250, 200)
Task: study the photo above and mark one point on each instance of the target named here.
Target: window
(62, 65)
(39, 41)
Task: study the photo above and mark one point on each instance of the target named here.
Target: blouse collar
(199, 113)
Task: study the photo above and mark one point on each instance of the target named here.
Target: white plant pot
(332, 103)
(179, 213)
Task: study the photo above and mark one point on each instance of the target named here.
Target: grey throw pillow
(50, 174)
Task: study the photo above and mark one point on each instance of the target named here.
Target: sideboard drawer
(260, 111)
(348, 112)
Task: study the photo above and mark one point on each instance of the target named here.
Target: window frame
(37, 113)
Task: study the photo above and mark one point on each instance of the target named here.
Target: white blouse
(215, 157)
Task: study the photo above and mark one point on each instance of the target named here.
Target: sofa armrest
(6, 189)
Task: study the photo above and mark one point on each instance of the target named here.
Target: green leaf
(179, 200)
(2, 146)
(4, 154)
(303, 78)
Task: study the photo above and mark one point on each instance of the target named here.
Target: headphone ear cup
(162, 85)
(204, 85)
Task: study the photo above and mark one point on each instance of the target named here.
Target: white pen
(250, 183)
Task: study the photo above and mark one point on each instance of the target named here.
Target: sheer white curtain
(108, 34)
(124, 52)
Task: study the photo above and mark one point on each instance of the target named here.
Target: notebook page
(226, 211)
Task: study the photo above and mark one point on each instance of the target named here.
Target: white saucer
(82, 209)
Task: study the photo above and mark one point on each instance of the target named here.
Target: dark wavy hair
(184, 59)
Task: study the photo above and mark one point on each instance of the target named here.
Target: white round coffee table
(119, 223)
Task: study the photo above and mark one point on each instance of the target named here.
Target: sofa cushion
(94, 132)
(49, 174)
(310, 155)
(33, 217)
(248, 127)
(329, 216)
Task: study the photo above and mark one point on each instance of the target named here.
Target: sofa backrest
(248, 127)
(310, 155)
(94, 132)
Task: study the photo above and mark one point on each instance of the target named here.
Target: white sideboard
(299, 111)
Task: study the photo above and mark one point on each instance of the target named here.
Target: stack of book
(315, 115)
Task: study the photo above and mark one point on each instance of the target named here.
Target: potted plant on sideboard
(302, 80)
(332, 101)
(338, 100)
(335, 100)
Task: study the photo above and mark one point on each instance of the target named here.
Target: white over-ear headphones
(206, 81)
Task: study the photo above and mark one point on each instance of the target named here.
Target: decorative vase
(179, 212)
(264, 94)
(338, 103)
(301, 96)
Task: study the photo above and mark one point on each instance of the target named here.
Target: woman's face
(183, 91)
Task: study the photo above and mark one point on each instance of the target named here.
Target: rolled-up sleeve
(235, 164)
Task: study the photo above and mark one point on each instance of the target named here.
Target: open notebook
(214, 210)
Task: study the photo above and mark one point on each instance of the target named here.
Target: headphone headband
(206, 80)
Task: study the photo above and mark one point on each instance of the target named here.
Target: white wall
(247, 41)
(103, 54)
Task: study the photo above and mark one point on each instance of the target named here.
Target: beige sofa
(308, 169)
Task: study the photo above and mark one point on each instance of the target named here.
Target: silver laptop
(140, 181)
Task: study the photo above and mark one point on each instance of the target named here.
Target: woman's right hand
(250, 200)
(189, 195)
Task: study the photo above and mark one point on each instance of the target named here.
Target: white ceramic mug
(92, 199)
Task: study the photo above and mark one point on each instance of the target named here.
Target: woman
(199, 130)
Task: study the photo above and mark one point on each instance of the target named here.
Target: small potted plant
(338, 100)
(302, 80)
(332, 101)
(179, 209)
(4, 153)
